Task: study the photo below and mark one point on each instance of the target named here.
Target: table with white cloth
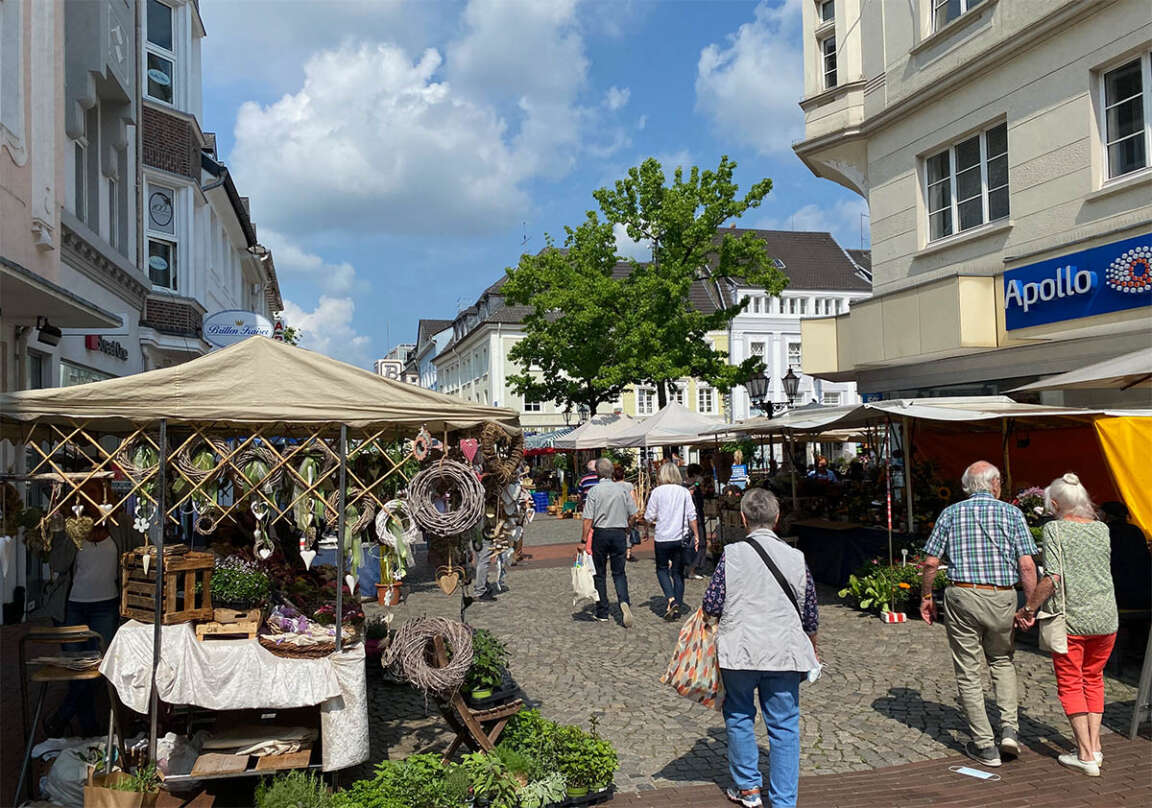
(243, 675)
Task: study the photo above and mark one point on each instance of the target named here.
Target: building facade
(1004, 152)
(397, 363)
(432, 337)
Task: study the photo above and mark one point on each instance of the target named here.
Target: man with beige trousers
(989, 550)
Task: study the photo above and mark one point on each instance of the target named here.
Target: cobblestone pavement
(887, 695)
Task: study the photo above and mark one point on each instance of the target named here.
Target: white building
(1005, 150)
(432, 336)
(396, 363)
(824, 281)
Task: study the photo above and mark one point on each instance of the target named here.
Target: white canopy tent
(1120, 373)
(596, 433)
(675, 425)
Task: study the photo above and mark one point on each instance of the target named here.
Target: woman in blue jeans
(766, 644)
(670, 508)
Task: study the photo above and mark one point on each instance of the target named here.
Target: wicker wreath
(127, 463)
(503, 453)
(396, 509)
(425, 487)
(246, 456)
(412, 647)
(421, 444)
(365, 505)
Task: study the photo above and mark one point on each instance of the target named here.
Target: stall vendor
(85, 590)
(822, 472)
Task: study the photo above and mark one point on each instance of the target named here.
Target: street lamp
(757, 388)
(568, 416)
(584, 412)
(791, 383)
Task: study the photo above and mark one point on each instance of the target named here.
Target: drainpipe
(141, 261)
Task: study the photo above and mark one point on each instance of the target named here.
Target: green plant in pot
(492, 783)
(239, 584)
(489, 661)
(574, 752)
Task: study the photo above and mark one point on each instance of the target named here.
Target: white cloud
(617, 98)
(292, 259)
(328, 329)
(642, 122)
(750, 88)
(842, 219)
(626, 247)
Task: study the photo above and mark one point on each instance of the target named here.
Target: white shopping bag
(583, 587)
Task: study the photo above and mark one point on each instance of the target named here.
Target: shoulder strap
(779, 576)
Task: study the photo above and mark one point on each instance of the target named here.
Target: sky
(400, 154)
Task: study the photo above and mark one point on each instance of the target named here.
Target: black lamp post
(791, 384)
(583, 412)
(568, 416)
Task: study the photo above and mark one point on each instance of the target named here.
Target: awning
(675, 425)
(26, 292)
(1121, 373)
(538, 441)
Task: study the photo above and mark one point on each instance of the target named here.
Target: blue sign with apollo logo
(1114, 277)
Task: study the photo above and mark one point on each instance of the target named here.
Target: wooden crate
(246, 630)
(237, 616)
(182, 572)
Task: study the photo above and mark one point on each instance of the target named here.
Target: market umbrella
(596, 433)
(1120, 373)
(675, 425)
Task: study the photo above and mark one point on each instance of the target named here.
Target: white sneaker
(1099, 758)
(1072, 761)
(626, 615)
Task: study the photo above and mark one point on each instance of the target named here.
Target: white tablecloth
(241, 675)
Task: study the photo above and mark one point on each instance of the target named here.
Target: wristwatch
(1029, 612)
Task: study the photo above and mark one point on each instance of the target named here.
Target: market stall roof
(544, 442)
(674, 425)
(596, 433)
(1119, 373)
(256, 381)
(805, 419)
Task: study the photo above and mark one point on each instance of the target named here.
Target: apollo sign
(1106, 279)
(227, 327)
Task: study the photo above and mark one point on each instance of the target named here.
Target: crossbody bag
(813, 674)
(1053, 625)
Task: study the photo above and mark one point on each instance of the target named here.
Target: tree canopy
(593, 329)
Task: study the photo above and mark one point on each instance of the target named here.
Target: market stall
(675, 425)
(278, 454)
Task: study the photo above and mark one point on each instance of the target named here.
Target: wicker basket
(291, 651)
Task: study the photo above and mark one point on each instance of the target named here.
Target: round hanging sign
(225, 328)
(159, 76)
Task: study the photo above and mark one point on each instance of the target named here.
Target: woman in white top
(670, 508)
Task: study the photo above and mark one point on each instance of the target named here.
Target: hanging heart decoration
(448, 579)
(78, 529)
(470, 446)
(351, 581)
(146, 562)
(106, 508)
(308, 556)
(78, 509)
(259, 509)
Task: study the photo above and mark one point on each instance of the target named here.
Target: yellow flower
(904, 585)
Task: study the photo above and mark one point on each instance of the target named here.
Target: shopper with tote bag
(1078, 621)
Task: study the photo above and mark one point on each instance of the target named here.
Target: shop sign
(390, 368)
(94, 342)
(1115, 277)
(227, 327)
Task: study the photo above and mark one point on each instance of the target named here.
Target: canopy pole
(908, 498)
(340, 521)
(888, 485)
(792, 466)
(157, 530)
(1005, 431)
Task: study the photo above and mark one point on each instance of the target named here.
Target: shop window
(828, 57)
(645, 401)
(1127, 113)
(794, 355)
(160, 52)
(944, 11)
(828, 11)
(967, 183)
(705, 399)
(38, 365)
(72, 374)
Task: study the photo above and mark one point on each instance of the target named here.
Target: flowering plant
(326, 614)
(240, 583)
(1031, 502)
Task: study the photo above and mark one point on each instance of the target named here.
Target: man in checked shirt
(989, 550)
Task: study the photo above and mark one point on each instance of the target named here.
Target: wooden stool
(467, 723)
(44, 675)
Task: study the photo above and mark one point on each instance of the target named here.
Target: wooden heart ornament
(448, 579)
(78, 529)
(469, 446)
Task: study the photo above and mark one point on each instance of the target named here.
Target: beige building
(1004, 149)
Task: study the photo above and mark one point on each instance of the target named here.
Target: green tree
(684, 221)
(574, 351)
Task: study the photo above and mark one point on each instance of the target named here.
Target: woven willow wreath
(503, 463)
(429, 484)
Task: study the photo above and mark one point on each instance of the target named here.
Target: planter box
(98, 795)
(591, 798)
(894, 617)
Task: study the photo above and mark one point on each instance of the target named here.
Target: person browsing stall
(608, 513)
(989, 550)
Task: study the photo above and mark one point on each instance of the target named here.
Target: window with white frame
(944, 11)
(1127, 114)
(967, 183)
(162, 242)
(831, 399)
(160, 52)
(705, 399)
(827, 10)
(828, 61)
(677, 394)
(756, 349)
(794, 355)
(532, 406)
(645, 401)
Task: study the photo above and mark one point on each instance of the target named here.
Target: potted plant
(120, 789)
(575, 751)
(239, 585)
(489, 662)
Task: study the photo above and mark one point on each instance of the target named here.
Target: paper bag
(97, 794)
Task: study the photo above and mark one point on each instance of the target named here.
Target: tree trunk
(661, 394)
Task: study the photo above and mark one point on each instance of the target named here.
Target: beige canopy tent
(1133, 370)
(675, 425)
(257, 381)
(596, 433)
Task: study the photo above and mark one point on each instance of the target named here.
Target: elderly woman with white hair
(671, 509)
(1077, 583)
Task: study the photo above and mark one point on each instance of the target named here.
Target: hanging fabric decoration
(144, 513)
(308, 508)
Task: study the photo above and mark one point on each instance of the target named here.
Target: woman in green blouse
(1078, 579)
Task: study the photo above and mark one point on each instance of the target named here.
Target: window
(38, 365)
(160, 52)
(944, 11)
(803, 305)
(645, 401)
(831, 400)
(794, 355)
(828, 54)
(72, 374)
(162, 243)
(828, 10)
(113, 214)
(81, 190)
(756, 348)
(1127, 114)
(705, 399)
(532, 406)
(967, 183)
(677, 394)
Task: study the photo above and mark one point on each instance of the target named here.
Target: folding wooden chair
(469, 723)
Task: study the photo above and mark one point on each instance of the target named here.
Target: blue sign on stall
(1114, 277)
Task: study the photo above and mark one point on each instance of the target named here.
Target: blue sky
(399, 154)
